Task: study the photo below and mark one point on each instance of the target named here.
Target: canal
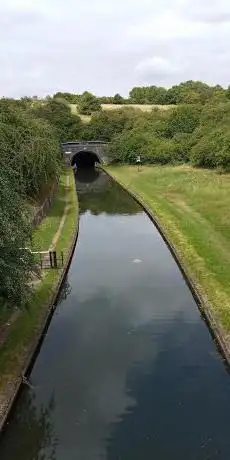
(128, 369)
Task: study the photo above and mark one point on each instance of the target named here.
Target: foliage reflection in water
(128, 369)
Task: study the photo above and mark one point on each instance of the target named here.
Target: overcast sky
(109, 46)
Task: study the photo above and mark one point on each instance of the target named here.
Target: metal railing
(49, 259)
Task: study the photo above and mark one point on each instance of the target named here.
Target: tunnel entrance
(85, 159)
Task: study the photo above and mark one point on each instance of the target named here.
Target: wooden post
(51, 259)
(55, 260)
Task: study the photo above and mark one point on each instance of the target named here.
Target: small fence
(41, 212)
(49, 259)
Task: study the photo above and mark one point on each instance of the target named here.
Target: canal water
(128, 369)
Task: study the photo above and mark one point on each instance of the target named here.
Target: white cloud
(155, 68)
(109, 46)
(168, 25)
(207, 11)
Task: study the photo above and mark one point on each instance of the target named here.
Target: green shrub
(15, 231)
(88, 104)
(161, 151)
(182, 144)
(58, 113)
(105, 125)
(30, 146)
(126, 146)
(183, 119)
(213, 150)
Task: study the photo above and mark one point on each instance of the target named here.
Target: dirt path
(62, 222)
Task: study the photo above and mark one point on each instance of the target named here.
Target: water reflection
(87, 176)
(32, 429)
(128, 369)
(101, 195)
(65, 291)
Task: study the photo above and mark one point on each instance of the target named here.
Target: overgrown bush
(182, 144)
(88, 104)
(58, 113)
(15, 231)
(30, 146)
(187, 133)
(213, 150)
(126, 146)
(183, 119)
(105, 125)
(30, 157)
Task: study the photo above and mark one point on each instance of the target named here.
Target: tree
(138, 95)
(105, 124)
(126, 146)
(228, 92)
(212, 150)
(189, 92)
(29, 145)
(106, 99)
(68, 97)
(58, 113)
(183, 119)
(118, 99)
(15, 262)
(88, 104)
(219, 94)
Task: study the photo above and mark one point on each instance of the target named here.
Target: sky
(110, 46)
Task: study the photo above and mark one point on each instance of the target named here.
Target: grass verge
(193, 208)
(24, 330)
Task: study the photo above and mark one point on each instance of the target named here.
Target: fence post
(51, 259)
(55, 259)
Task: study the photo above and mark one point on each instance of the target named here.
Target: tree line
(189, 92)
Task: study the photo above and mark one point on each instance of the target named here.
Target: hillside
(107, 107)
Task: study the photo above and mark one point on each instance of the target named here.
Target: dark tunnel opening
(85, 159)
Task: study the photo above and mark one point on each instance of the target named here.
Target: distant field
(143, 107)
(85, 118)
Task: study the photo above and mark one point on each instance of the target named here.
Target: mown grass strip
(193, 207)
(43, 234)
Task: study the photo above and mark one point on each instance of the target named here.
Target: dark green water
(128, 369)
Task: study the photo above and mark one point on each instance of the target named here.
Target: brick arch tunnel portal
(85, 159)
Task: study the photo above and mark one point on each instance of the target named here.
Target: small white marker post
(138, 162)
(67, 155)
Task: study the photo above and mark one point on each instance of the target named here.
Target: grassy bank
(193, 207)
(22, 332)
